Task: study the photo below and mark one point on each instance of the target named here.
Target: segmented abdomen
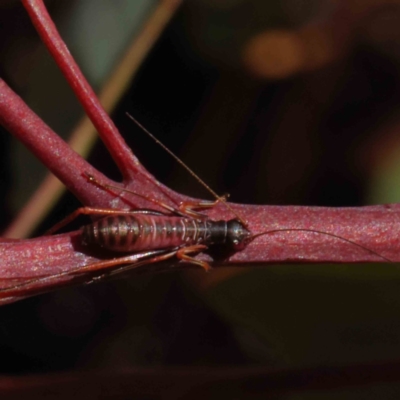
(143, 232)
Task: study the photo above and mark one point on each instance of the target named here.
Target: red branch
(369, 234)
(123, 157)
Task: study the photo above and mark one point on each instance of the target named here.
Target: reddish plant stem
(24, 260)
(135, 176)
(122, 155)
(377, 228)
(64, 162)
(54, 153)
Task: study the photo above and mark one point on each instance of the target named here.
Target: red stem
(24, 260)
(121, 153)
(55, 154)
(377, 228)
(65, 163)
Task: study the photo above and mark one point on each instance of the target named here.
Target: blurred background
(283, 102)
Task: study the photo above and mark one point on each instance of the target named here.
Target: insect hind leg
(85, 274)
(155, 256)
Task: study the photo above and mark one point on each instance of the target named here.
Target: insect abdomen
(142, 232)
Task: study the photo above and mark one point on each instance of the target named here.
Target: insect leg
(125, 268)
(184, 209)
(108, 187)
(183, 254)
(189, 208)
(43, 284)
(150, 258)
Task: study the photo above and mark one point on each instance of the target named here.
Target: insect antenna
(221, 199)
(251, 238)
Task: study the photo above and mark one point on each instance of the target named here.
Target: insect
(185, 233)
(148, 236)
